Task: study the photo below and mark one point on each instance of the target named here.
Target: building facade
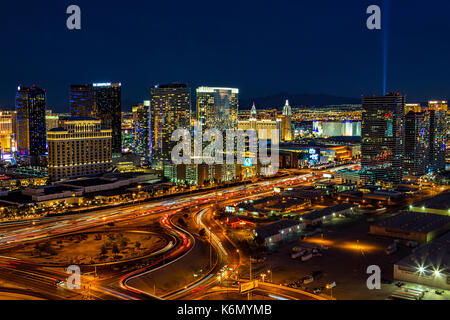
(7, 141)
(81, 147)
(141, 131)
(30, 122)
(107, 99)
(217, 107)
(82, 100)
(438, 135)
(382, 130)
(415, 161)
(170, 107)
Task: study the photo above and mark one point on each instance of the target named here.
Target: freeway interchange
(128, 280)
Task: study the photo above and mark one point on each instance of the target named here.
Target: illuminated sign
(104, 84)
(313, 155)
(248, 162)
(278, 190)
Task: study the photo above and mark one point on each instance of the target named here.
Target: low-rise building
(428, 265)
(318, 216)
(414, 226)
(439, 204)
(276, 232)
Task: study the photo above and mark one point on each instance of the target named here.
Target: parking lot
(350, 250)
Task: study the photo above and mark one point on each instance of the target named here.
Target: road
(42, 280)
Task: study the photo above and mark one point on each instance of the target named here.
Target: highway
(42, 281)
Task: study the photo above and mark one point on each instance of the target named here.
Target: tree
(115, 249)
(123, 243)
(103, 250)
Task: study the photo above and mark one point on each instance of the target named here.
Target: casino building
(81, 147)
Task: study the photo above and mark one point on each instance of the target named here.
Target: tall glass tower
(81, 100)
(170, 106)
(108, 108)
(383, 134)
(30, 122)
(218, 107)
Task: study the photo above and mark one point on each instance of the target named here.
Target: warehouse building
(439, 204)
(276, 232)
(318, 216)
(428, 265)
(415, 226)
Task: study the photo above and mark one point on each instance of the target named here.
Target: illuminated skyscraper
(6, 132)
(51, 120)
(30, 122)
(141, 131)
(108, 108)
(170, 107)
(218, 107)
(82, 100)
(417, 126)
(81, 147)
(286, 126)
(438, 134)
(415, 107)
(383, 133)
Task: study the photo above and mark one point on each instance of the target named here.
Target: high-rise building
(108, 108)
(383, 133)
(170, 107)
(218, 107)
(6, 132)
(415, 161)
(286, 125)
(81, 147)
(141, 131)
(438, 134)
(82, 100)
(30, 122)
(51, 120)
(253, 112)
(415, 107)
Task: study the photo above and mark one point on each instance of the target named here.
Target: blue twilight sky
(261, 47)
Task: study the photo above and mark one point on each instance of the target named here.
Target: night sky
(261, 47)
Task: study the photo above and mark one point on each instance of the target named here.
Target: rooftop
(440, 202)
(416, 221)
(274, 228)
(432, 256)
(89, 182)
(317, 214)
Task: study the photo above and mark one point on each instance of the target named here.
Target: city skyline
(242, 152)
(275, 46)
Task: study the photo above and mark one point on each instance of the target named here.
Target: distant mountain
(296, 100)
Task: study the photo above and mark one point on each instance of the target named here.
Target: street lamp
(331, 290)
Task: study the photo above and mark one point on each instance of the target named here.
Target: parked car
(308, 280)
(317, 290)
